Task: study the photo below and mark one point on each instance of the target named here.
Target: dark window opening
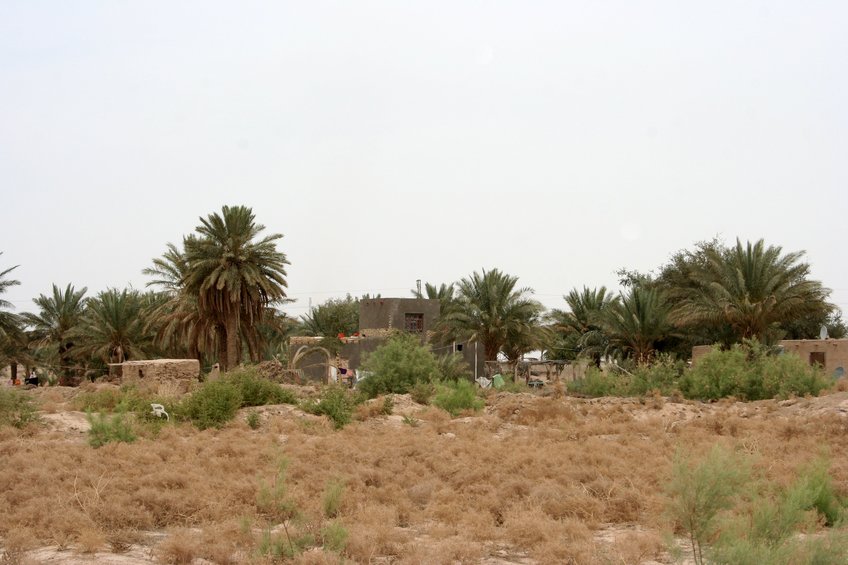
(817, 358)
(413, 323)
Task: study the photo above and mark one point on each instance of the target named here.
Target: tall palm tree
(176, 320)
(751, 290)
(577, 330)
(9, 322)
(12, 337)
(444, 293)
(636, 323)
(492, 311)
(233, 276)
(51, 327)
(112, 328)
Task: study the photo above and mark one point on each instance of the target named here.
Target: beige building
(162, 376)
(831, 354)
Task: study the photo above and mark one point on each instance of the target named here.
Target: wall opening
(413, 323)
(817, 358)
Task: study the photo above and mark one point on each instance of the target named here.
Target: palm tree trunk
(232, 340)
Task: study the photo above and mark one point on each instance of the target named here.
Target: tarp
(498, 381)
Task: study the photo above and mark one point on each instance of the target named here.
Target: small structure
(379, 319)
(167, 377)
(830, 354)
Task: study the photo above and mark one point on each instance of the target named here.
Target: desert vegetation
(518, 478)
(738, 459)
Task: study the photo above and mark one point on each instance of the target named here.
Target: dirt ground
(530, 479)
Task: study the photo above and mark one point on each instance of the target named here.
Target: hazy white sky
(392, 141)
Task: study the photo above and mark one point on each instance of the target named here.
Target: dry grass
(545, 479)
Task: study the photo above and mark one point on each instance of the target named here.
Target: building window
(413, 323)
(817, 358)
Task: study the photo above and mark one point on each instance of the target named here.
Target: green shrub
(256, 390)
(422, 392)
(700, 490)
(105, 429)
(332, 501)
(396, 366)
(16, 408)
(213, 404)
(335, 536)
(452, 367)
(662, 375)
(387, 406)
(336, 403)
(253, 420)
(751, 372)
(457, 397)
(747, 521)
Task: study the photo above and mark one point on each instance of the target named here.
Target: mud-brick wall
(833, 351)
(163, 375)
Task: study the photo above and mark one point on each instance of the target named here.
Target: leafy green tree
(112, 327)
(636, 323)
(577, 331)
(57, 316)
(493, 311)
(750, 289)
(233, 275)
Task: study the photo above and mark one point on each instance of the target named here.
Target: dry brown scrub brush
(539, 476)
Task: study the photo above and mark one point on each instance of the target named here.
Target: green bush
(336, 403)
(700, 490)
(105, 429)
(662, 375)
(258, 391)
(457, 397)
(396, 366)
(16, 408)
(213, 404)
(452, 367)
(422, 392)
(749, 522)
(253, 420)
(332, 501)
(751, 372)
(335, 536)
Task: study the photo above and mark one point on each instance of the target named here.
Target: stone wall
(167, 377)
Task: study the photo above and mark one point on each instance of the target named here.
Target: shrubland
(748, 372)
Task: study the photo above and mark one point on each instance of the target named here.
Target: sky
(395, 141)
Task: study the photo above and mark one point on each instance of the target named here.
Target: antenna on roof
(823, 332)
(418, 284)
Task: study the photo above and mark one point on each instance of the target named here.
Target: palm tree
(490, 310)
(112, 328)
(234, 277)
(577, 331)
(751, 290)
(12, 337)
(9, 322)
(58, 315)
(444, 293)
(636, 323)
(176, 319)
(332, 317)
